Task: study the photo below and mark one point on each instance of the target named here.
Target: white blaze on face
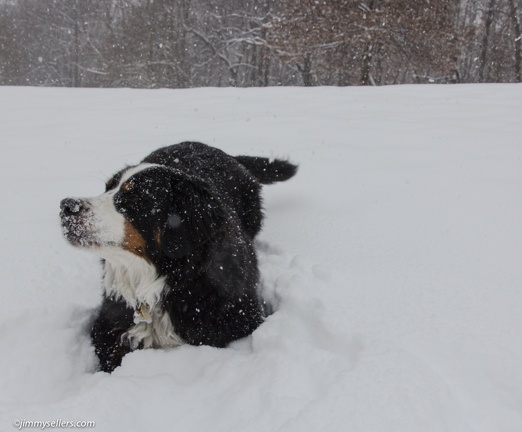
(107, 223)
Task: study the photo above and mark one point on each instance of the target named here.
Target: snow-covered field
(394, 259)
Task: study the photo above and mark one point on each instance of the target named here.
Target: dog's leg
(113, 320)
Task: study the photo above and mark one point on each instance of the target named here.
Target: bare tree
(187, 43)
(514, 11)
(374, 37)
(489, 14)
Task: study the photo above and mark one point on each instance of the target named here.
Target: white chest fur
(131, 278)
(136, 281)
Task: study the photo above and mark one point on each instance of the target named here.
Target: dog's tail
(266, 170)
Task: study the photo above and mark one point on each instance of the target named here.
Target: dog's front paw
(137, 337)
(130, 342)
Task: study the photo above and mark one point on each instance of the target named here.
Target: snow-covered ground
(394, 259)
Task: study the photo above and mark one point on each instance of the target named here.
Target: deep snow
(393, 258)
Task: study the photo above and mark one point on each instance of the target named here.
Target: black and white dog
(176, 237)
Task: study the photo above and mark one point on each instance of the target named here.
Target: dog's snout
(72, 206)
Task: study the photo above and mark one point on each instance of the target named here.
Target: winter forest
(194, 43)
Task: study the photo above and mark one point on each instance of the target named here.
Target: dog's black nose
(72, 206)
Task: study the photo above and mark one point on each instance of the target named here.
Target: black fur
(198, 213)
(113, 319)
(268, 171)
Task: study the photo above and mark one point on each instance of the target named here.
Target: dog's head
(148, 210)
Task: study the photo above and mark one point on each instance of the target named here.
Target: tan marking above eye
(127, 186)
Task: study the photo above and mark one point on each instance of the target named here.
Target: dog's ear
(195, 216)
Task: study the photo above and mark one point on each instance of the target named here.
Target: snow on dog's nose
(75, 226)
(92, 221)
(72, 206)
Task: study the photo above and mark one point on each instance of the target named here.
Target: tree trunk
(488, 24)
(75, 72)
(518, 39)
(306, 71)
(366, 78)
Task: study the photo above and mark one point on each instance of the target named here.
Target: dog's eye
(130, 192)
(132, 197)
(128, 198)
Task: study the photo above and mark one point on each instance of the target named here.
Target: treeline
(193, 43)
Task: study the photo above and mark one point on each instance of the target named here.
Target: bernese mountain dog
(175, 234)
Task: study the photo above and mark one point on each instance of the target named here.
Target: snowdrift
(393, 258)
